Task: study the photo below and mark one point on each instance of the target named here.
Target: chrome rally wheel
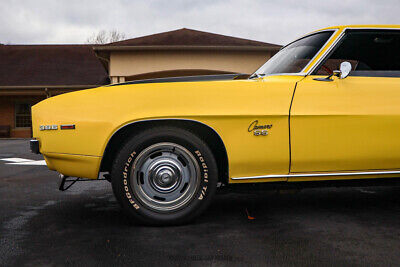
(165, 176)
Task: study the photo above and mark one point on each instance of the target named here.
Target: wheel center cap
(165, 176)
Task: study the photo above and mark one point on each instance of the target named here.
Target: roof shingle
(35, 65)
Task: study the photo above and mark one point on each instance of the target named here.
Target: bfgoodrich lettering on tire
(164, 175)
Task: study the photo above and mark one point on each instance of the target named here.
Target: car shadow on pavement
(102, 209)
(313, 226)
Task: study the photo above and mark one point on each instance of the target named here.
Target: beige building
(182, 52)
(30, 73)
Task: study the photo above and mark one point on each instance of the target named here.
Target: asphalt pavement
(84, 226)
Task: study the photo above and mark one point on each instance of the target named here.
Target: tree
(104, 37)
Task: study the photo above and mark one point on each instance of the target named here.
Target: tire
(164, 176)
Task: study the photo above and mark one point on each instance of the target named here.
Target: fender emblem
(55, 127)
(259, 130)
(48, 127)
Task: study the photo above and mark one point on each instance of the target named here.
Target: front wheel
(164, 175)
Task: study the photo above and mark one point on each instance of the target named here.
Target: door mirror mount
(337, 73)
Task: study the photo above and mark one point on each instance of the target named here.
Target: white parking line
(33, 162)
(21, 161)
(16, 159)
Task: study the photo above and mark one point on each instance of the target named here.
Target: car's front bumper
(34, 145)
(73, 165)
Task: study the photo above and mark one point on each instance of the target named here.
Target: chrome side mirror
(345, 68)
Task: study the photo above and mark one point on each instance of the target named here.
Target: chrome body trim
(286, 74)
(334, 31)
(326, 53)
(299, 175)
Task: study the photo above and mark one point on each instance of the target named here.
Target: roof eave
(22, 87)
(186, 47)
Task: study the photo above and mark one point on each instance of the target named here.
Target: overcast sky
(274, 21)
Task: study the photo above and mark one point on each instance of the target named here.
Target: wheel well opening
(212, 139)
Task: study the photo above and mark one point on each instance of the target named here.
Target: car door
(350, 124)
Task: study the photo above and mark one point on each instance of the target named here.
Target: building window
(23, 115)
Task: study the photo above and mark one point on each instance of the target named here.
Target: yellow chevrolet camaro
(325, 107)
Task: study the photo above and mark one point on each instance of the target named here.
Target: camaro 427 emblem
(259, 130)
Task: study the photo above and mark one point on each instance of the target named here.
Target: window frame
(339, 41)
(15, 114)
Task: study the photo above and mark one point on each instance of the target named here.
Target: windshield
(295, 56)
